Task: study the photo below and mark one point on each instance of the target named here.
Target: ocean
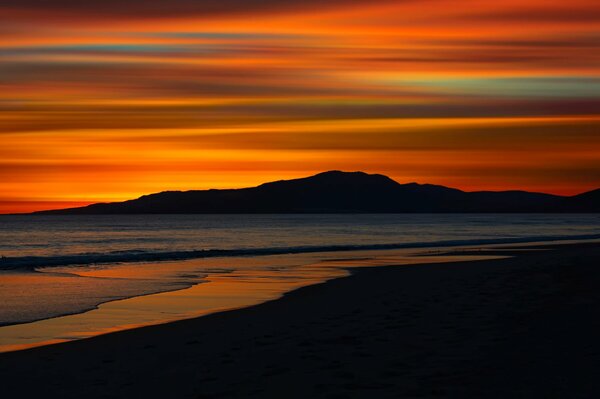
(29, 241)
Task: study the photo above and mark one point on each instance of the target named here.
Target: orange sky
(103, 101)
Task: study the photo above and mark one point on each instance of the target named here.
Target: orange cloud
(193, 94)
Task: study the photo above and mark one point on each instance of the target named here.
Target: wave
(33, 262)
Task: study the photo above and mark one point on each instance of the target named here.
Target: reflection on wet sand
(251, 281)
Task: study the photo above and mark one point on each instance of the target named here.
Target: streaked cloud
(160, 8)
(114, 99)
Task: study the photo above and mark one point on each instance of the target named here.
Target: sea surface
(34, 241)
(71, 277)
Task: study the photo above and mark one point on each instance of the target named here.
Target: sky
(110, 100)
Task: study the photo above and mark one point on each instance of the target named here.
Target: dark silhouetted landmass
(586, 202)
(342, 192)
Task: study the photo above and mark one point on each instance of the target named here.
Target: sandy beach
(520, 327)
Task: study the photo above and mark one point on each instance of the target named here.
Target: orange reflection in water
(255, 281)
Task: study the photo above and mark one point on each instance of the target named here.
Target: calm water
(34, 241)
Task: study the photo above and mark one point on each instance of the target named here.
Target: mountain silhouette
(342, 192)
(585, 202)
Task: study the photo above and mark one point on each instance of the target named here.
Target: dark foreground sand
(525, 327)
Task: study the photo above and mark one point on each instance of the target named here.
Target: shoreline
(124, 310)
(438, 246)
(200, 299)
(315, 320)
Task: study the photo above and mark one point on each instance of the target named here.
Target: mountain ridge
(342, 192)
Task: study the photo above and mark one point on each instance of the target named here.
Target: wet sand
(519, 327)
(189, 289)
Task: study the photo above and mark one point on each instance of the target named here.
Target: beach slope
(521, 327)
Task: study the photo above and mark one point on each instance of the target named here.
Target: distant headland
(342, 192)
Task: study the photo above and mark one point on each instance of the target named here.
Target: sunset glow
(111, 100)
